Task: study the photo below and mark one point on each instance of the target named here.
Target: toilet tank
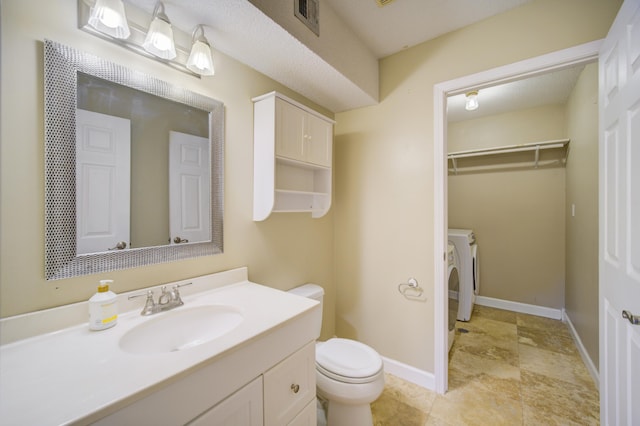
(310, 291)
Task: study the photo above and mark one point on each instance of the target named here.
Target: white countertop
(65, 376)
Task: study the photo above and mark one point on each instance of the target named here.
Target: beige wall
(384, 175)
(516, 211)
(283, 251)
(581, 293)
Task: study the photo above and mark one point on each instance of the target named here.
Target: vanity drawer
(290, 386)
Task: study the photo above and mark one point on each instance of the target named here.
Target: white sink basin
(181, 329)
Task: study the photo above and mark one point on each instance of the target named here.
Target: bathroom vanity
(253, 364)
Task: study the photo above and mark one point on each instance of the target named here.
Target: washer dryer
(466, 250)
(454, 286)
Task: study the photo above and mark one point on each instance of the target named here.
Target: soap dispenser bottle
(103, 307)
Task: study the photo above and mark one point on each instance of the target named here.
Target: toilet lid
(347, 360)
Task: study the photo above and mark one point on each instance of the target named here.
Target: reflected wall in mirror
(133, 167)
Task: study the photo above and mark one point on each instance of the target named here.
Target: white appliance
(466, 248)
(454, 285)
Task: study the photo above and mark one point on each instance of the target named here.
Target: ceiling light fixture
(472, 101)
(108, 17)
(159, 40)
(200, 60)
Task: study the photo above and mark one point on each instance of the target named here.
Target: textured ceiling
(547, 89)
(240, 30)
(405, 23)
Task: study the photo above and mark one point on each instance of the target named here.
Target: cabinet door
(319, 135)
(290, 137)
(243, 408)
(290, 386)
(307, 417)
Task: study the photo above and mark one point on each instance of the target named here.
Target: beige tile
(474, 405)
(551, 401)
(551, 340)
(389, 411)
(533, 321)
(491, 375)
(402, 403)
(507, 369)
(413, 395)
(554, 365)
(494, 314)
(489, 339)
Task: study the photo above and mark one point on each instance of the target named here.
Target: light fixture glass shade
(200, 60)
(472, 101)
(159, 39)
(108, 17)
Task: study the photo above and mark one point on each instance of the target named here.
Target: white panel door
(620, 219)
(103, 174)
(189, 188)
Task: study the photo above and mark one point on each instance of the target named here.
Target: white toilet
(349, 374)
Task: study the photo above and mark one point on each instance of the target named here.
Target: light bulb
(472, 101)
(108, 17)
(200, 60)
(159, 39)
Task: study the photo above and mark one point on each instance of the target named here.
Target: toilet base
(348, 415)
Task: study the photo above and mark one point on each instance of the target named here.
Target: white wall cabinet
(292, 158)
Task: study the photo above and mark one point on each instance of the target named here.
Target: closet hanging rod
(534, 146)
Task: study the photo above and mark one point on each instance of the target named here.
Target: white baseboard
(409, 373)
(525, 308)
(583, 351)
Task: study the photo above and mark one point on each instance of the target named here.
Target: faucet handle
(176, 294)
(165, 297)
(149, 306)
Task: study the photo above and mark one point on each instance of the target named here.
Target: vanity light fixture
(472, 101)
(159, 39)
(151, 36)
(200, 60)
(108, 16)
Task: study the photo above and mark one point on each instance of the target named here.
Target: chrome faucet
(167, 300)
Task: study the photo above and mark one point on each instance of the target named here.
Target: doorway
(532, 67)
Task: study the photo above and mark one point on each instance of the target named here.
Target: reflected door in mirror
(189, 188)
(103, 174)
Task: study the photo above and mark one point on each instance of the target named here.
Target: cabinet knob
(295, 388)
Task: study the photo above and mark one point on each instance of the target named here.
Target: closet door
(619, 103)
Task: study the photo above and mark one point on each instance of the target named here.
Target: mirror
(164, 124)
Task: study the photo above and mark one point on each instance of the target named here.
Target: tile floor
(505, 368)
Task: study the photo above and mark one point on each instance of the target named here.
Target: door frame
(581, 54)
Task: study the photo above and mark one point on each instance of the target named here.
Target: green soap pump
(103, 307)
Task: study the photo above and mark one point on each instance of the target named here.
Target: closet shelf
(534, 147)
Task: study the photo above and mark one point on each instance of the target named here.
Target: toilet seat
(348, 361)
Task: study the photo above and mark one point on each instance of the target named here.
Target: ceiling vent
(384, 2)
(308, 11)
